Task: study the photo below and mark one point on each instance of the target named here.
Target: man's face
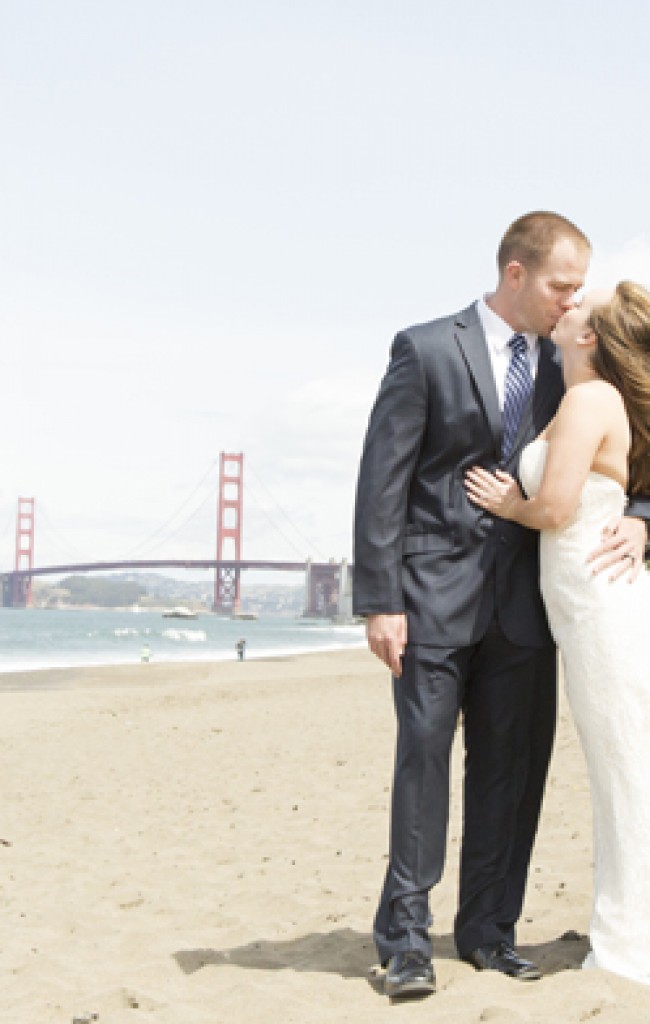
(547, 292)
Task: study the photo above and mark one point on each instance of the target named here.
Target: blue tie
(517, 391)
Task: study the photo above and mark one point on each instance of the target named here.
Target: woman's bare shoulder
(591, 395)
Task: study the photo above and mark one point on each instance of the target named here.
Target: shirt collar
(498, 332)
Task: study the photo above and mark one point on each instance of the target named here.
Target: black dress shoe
(499, 956)
(410, 974)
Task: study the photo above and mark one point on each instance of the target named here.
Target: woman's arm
(578, 432)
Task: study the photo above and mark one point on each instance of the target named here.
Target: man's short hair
(530, 238)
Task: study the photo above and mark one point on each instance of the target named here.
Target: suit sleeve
(391, 449)
(639, 507)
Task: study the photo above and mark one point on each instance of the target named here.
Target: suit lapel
(546, 393)
(473, 346)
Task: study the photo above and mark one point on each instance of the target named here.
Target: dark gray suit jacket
(420, 545)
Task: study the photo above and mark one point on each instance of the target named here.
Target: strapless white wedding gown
(603, 632)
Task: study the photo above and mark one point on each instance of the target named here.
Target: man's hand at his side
(622, 548)
(387, 639)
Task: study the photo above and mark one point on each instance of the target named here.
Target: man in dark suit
(452, 600)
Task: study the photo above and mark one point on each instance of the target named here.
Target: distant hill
(151, 590)
(103, 591)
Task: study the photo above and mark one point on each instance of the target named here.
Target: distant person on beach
(575, 475)
(240, 647)
(145, 653)
(452, 601)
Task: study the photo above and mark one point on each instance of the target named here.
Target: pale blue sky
(214, 217)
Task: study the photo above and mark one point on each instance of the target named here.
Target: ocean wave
(193, 635)
(168, 657)
(34, 639)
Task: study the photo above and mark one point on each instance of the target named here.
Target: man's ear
(515, 274)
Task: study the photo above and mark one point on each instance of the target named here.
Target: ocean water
(57, 638)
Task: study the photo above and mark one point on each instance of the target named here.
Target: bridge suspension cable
(148, 541)
(46, 527)
(310, 544)
(278, 529)
(166, 531)
(181, 526)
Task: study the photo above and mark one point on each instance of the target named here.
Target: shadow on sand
(351, 954)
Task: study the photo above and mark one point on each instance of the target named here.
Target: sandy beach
(197, 844)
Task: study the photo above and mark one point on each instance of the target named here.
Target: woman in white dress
(576, 475)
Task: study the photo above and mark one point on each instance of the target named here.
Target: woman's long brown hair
(622, 357)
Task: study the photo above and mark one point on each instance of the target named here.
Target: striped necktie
(517, 391)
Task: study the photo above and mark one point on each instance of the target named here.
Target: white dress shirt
(498, 334)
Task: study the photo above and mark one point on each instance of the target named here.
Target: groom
(452, 601)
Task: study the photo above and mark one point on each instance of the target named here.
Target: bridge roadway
(327, 583)
(167, 563)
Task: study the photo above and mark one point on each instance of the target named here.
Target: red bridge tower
(21, 596)
(229, 531)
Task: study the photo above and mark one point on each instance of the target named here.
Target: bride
(575, 477)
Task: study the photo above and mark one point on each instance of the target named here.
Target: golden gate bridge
(327, 584)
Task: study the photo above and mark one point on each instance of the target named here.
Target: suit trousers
(507, 695)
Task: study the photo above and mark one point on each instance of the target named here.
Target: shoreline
(159, 672)
(266, 654)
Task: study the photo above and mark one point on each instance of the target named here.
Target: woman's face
(572, 327)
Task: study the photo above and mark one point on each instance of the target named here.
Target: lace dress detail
(602, 630)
